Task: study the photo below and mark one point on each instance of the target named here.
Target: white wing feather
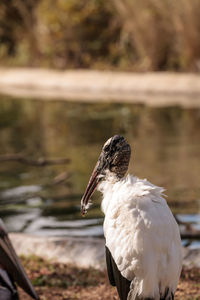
(142, 235)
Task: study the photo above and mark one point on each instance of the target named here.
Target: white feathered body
(142, 236)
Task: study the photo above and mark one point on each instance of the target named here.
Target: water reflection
(165, 143)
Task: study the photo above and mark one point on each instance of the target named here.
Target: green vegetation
(118, 34)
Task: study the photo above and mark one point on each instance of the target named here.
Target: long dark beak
(94, 180)
(11, 263)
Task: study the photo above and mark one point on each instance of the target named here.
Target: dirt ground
(66, 282)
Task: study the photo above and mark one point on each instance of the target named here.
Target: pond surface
(46, 200)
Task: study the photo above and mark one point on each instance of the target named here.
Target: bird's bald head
(114, 159)
(115, 156)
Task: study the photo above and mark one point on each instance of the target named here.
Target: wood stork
(11, 270)
(143, 245)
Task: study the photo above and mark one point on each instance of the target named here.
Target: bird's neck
(107, 187)
(109, 180)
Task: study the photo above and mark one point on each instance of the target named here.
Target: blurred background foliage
(145, 35)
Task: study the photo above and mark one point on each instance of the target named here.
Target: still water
(46, 200)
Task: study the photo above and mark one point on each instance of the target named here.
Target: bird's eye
(106, 149)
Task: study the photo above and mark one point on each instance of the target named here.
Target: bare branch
(41, 162)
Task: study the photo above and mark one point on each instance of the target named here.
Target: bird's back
(10, 262)
(142, 236)
(8, 289)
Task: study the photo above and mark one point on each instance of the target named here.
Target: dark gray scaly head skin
(114, 157)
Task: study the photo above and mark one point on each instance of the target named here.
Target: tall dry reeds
(164, 34)
(136, 35)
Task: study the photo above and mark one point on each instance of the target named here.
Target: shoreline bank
(83, 252)
(153, 89)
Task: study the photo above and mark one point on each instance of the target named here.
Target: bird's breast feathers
(142, 234)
